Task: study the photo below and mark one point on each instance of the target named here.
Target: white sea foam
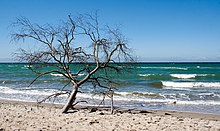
(134, 93)
(167, 101)
(7, 90)
(198, 102)
(26, 66)
(60, 75)
(124, 96)
(123, 93)
(177, 68)
(144, 75)
(183, 76)
(189, 76)
(190, 84)
(81, 74)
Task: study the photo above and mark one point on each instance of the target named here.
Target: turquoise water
(193, 87)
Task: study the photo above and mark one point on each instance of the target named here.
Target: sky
(157, 30)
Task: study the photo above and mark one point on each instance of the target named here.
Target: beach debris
(101, 113)
(93, 110)
(180, 119)
(93, 122)
(167, 113)
(145, 111)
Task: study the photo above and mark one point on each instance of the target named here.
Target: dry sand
(30, 116)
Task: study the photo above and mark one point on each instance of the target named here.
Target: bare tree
(105, 50)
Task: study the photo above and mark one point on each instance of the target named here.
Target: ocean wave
(60, 75)
(127, 97)
(155, 76)
(146, 75)
(28, 66)
(167, 101)
(198, 102)
(174, 68)
(177, 68)
(12, 65)
(140, 94)
(189, 76)
(190, 84)
(183, 76)
(179, 96)
(8, 90)
(171, 77)
(137, 98)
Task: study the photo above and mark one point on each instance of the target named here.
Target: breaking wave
(190, 84)
(183, 76)
(60, 75)
(8, 90)
(170, 77)
(169, 68)
(119, 97)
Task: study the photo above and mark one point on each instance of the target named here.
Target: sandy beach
(30, 116)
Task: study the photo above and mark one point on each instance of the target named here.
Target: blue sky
(158, 30)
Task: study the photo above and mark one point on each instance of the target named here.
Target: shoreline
(15, 115)
(206, 116)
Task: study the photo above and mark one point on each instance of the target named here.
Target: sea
(185, 87)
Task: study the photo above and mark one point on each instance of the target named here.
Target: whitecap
(183, 76)
(190, 84)
(8, 90)
(144, 75)
(60, 75)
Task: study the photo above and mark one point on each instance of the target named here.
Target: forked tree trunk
(71, 99)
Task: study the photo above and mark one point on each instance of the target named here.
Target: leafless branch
(103, 53)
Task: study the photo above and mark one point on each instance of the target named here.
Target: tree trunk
(71, 99)
(112, 104)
